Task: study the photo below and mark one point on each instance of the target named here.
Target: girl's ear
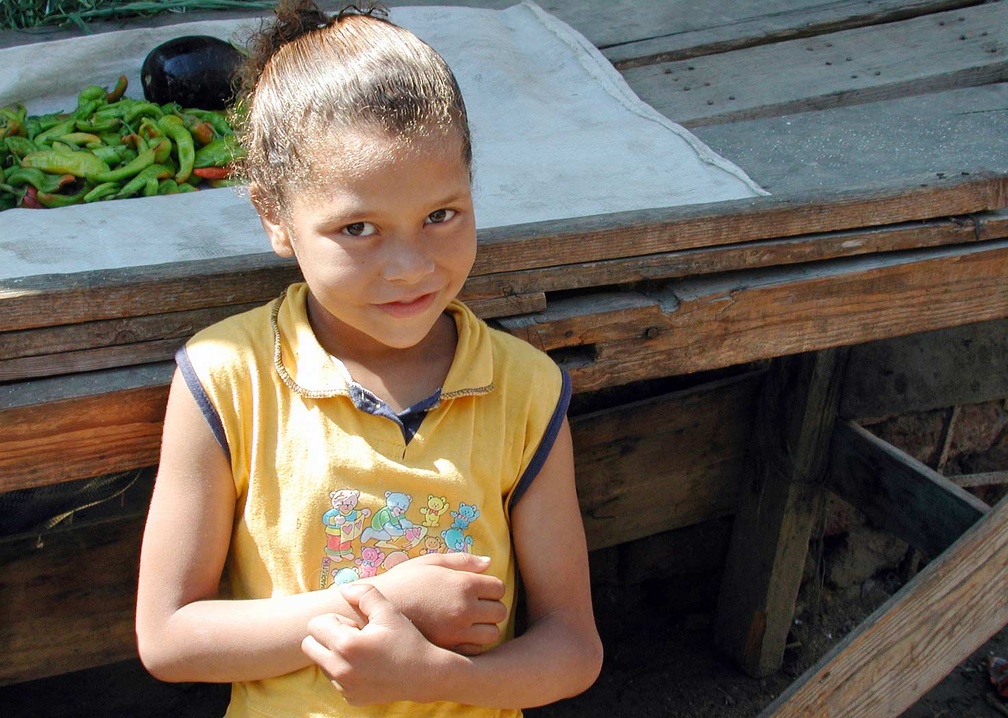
(278, 235)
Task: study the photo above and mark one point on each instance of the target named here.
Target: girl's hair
(310, 77)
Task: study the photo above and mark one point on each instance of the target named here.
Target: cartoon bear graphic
(436, 505)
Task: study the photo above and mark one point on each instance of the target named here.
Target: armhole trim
(546, 445)
(202, 399)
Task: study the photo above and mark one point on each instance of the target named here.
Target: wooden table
(881, 131)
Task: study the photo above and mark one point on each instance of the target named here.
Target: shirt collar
(308, 369)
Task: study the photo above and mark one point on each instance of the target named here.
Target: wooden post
(780, 496)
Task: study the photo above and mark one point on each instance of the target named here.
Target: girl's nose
(407, 261)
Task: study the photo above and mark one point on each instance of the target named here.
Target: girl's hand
(384, 659)
(448, 598)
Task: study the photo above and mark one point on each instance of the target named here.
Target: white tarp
(557, 133)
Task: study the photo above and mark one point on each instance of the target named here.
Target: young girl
(353, 477)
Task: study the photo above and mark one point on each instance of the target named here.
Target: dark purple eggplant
(194, 71)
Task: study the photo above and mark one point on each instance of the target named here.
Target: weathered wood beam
(917, 56)
(81, 580)
(916, 638)
(772, 25)
(985, 478)
(780, 496)
(897, 492)
(925, 371)
(663, 463)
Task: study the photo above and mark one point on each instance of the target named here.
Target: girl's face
(385, 239)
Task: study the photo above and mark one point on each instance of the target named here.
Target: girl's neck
(400, 377)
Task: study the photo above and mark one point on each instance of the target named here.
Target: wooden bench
(886, 218)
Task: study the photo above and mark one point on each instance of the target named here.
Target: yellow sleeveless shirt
(333, 486)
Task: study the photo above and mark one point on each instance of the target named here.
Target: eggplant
(194, 71)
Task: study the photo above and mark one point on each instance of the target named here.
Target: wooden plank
(927, 371)
(128, 341)
(916, 638)
(110, 332)
(713, 28)
(646, 232)
(67, 600)
(749, 255)
(882, 142)
(898, 493)
(778, 502)
(663, 463)
(702, 324)
(959, 48)
(81, 426)
(48, 300)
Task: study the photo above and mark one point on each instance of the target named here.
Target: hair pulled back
(310, 77)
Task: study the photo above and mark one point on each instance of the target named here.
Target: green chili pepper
(20, 146)
(51, 199)
(78, 164)
(139, 182)
(145, 109)
(173, 126)
(105, 189)
(91, 92)
(219, 153)
(87, 109)
(58, 130)
(168, 186)
(162, 147)
(42, 181)
(116, 93)
(216, 119)
(201, 130)
(32, 127)
(80, 138)
(130, 169)
(97, 124)
(107, 154)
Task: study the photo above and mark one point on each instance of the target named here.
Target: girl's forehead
(356, 154)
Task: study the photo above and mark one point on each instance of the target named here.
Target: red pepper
(212, 173)
(30, 199)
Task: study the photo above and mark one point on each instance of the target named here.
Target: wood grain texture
(916, 638)
(67, 601)
(713, 27)
(899, 494)
(663, 463)
(779, 499)
(959, 48)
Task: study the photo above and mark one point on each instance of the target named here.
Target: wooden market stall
(880, 130)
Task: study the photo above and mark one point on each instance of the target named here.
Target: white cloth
(557, 133)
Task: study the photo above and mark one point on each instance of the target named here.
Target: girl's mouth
(409, 307)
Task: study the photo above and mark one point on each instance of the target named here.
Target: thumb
(370, 602)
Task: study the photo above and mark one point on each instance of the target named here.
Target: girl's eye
(359, 229)
(440, 215)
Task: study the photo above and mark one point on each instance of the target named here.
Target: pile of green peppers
(111, 147)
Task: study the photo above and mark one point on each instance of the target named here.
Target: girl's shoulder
(242, 338)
